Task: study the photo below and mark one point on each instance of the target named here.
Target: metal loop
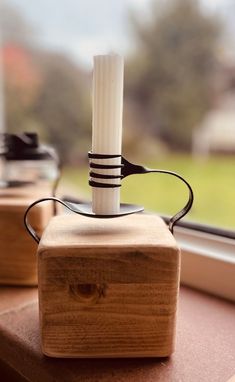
(29, 228)
(131, 169)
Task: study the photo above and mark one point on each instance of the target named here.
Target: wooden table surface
(205, 348)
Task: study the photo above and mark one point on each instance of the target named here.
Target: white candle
(107, 127)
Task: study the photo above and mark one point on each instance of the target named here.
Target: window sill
(205, 345)
(208, 261)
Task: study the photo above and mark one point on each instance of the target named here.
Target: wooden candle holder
(18, 261)
(108, 287)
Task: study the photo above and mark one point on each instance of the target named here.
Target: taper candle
(107, 127)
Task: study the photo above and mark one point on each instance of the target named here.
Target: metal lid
(26, 147)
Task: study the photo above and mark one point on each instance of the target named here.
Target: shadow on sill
(9, 374)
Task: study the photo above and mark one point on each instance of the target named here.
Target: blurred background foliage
(170, 76)
(179, 103)
(168, 85)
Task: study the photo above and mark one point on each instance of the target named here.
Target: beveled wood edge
(52, 251)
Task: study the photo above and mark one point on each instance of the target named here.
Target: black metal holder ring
(126, 168)
(96, 175)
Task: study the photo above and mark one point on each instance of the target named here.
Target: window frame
(208, 258)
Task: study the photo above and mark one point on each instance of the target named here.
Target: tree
(22, 83)
(44, 91)
(63, 107)
(14, 27)
(169, 76)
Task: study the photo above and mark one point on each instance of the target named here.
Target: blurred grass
(213, 182)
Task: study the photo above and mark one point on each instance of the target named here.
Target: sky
(83, 28)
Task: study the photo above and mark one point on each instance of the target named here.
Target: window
(178, 105)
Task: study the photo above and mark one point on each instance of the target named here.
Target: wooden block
(108, 287)
(18, 261)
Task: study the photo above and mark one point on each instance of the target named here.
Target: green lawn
(213, 182)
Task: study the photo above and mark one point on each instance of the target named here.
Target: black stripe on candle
(92, 183)
(103, 156)
(105, 166)
(104, 176)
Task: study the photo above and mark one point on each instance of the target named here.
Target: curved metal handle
(84, 209)
(131, 169)
(28, 226)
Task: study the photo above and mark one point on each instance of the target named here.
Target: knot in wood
(88, 293)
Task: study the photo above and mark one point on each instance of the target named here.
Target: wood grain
(18, 262)
(108, 288)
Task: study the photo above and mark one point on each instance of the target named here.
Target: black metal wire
(179, 215)
(131, 169)
(29, 228)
